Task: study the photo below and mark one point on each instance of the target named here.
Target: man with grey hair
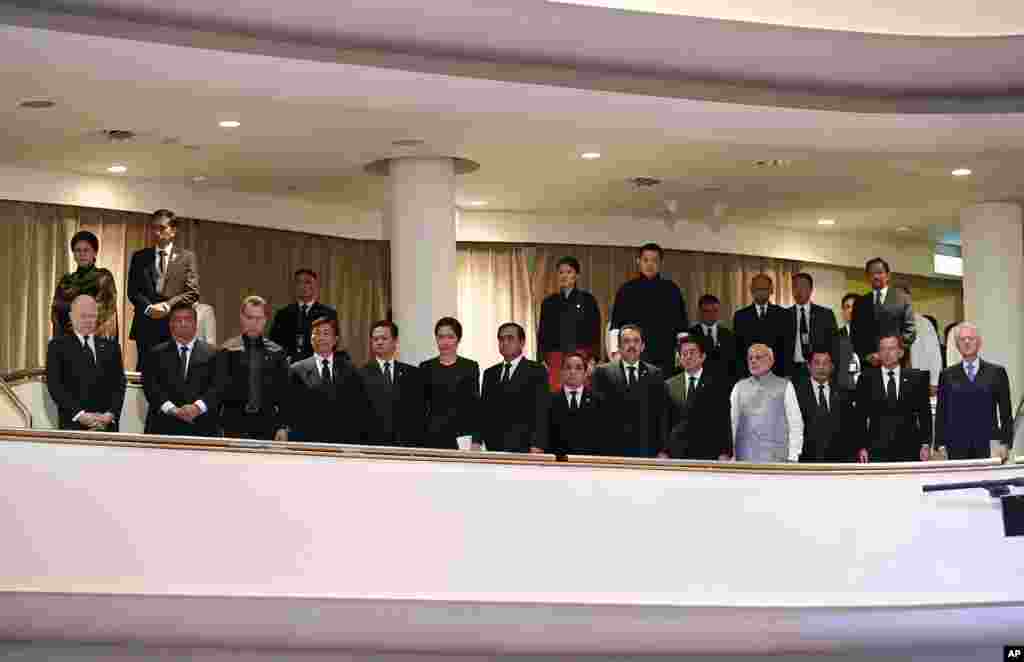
(974, 402)
(767, 425)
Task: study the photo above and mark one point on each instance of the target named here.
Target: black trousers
(977, 450)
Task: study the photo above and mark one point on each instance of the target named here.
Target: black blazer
(75, 384)
(162, 383)
(514, 416)
(973, 414)
(826, 436)
(700, 427)
(722, 357)
(181, 284)
(324, 412)
(585, 316)
(453, 401)
(894, 317)
(893, 434)
(822, 327)
(574, 432)
(768, 331)
(233, 381)
(631, 417)
(842, 354)
(397, 414)
(288, 324)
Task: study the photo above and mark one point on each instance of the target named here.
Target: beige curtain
(494, 286)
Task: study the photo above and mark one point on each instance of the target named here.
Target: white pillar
(421, 226)
(992, 239)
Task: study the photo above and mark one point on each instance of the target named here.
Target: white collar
(514, 363)
(81, 338)
(310, 304)
(709, 327)
(571, 389)
(189, 344)
(818, 384)
(896, 371)
(627, 365)
(696, 376)
(168, 249)
(975, 363)
(381, 362)
(320, 359)
(884, 291)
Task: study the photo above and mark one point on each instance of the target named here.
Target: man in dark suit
(252, 379)
(158, 279)
(574, 418)
(893, 411)
(807, 326)
(847, 362)
(697, 423)
(293, 322)
(515, 400)
(759, 323)
(85, 373)
(721, 346)
(632, 395)
(181, 384)
(974, 402)
(397, 415)
(883, 311)
(827, 410)
(326, 396)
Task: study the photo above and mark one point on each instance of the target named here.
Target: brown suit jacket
(181, 284)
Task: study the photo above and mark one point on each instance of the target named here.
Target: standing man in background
(884, 311)
(721, 345)
(292, 323)
(808, 326)
(570, 321)
(656, 305)
(158, 279)
(847, 362)
(925, 353)
(759, 323)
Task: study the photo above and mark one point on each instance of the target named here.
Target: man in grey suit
(884, 311)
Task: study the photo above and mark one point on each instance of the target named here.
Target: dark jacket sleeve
(544, 329)
(120, 382)
(861, 329)
(278, 332)
(358, 405)
(137, 291)
(725, 397)
(67, 404)
(907, 326)
(280, 389)
(620, 314)
(942, 410)
(542, 405)
(1004, 404)
(153, 383)
(592, 336)
(863, 414)
(190, 294)
(923, 407)
(469, 397)
(683, 323)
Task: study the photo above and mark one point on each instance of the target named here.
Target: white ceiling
(310, 125)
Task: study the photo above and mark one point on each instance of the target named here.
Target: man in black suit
(85, 373)
(158, 279)
(515, 400)
(327, 400)
(808, 326)
(721, 346)
(697, 423)
(632, 395)
(883, 311)
(574, 419)
(181, 384)
(827, 410)
(252, 379)
(759, 323)
(397, 415)
(293, 322)
(847, 362)
(974, 402)
(893, 411)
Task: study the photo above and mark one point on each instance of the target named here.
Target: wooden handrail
(7, 392)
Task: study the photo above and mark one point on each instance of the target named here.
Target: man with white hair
(767, 425)
(85, 373)
(974, 402)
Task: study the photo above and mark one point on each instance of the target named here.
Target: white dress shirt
(512, 368)
(569, 390)
(636, 373)
(798, 348)
(884, 291)
(976, 365)
(885, 380)
(91, 344)
(168, 406)
(925, 353)
(711, 331)
(794, 420)
(382, 362)
(761, 309)
(320, 363)
(697, 375)
(817, 390)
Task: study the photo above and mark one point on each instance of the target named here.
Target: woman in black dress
(452, 389)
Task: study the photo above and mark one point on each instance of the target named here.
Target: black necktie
(692, 387)
(305, 313)
(184, 362)
(632, 375)
(803, 331)
(88, 351)
(878, 298)
(760, 315)
(822, 400)
(387, 372)
(845, 332)
(325, 372)
(890, 393)
(573, 402)
(163, 262)
(506, 373)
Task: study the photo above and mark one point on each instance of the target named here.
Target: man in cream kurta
(767, 425)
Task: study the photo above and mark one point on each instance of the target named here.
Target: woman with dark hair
(570, 321)
(87, 279)
(452, 389)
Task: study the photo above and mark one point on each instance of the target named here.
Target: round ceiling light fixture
(229, 124)
(477, 203)
(117, 169)
(199, 178)
(961, 172)
(826, 221)
(590, 156)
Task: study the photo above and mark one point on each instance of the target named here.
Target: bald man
(85, 373)
(767, 425)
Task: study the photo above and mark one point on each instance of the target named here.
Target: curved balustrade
(188, 541)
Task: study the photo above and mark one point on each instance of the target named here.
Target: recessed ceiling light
(590, 156)
(199, 178)
(826, 221)
(961, 172)
(229, 124)
(117, 169)
(903, 228)
(477, 203)
(37, 103)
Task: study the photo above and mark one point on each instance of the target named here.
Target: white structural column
(993, 250)
(421, 229)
